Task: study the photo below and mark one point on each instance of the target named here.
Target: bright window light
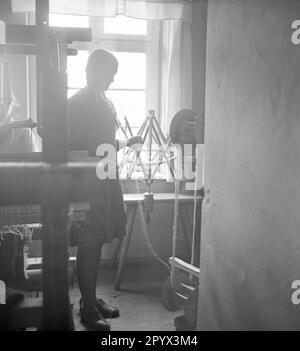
(76, 69)
(59, 20)
(128, 92)
(125, 25)
(131, 71)
(71, 92)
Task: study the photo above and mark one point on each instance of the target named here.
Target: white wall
(251, 238)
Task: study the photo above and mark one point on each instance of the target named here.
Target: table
(132, 201)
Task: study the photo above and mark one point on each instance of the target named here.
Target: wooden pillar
(56, 311)
(42, 22)
(52, 117)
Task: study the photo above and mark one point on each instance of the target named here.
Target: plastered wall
(250, 251)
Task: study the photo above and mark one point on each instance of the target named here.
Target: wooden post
(52, 112)
(41, 22)
(56, 311)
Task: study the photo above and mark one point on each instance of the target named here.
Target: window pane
(71, 92)
(58, 20)
(125, 25)
(131, 104)
(131, 71)
(76, 69)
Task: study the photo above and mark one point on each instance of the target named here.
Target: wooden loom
(51, 182)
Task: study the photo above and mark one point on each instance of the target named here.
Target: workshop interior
(149, 165)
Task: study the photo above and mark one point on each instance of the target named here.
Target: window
(76, 71)
(58, 20)
(128, 92)
(134, 42)
(124, 25)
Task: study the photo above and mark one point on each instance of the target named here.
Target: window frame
(148, 44)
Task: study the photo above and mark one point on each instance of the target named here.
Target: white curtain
(144, 9)
(176, 69)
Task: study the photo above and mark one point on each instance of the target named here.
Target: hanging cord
(24, 232)
(146, 233)
(175, 226)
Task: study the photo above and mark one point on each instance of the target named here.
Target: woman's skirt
(106, 219)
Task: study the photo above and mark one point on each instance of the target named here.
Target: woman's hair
(100, 57)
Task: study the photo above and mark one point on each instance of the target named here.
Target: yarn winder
(151, 135)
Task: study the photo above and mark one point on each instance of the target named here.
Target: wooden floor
(138, 300)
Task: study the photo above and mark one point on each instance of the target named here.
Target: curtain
(144, 9)
(176, 70)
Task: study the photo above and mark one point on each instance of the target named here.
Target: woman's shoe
(107, 311)
(94, 321)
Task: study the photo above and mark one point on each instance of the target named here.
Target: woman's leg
(88, 258)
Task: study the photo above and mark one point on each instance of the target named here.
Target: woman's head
(100, 69)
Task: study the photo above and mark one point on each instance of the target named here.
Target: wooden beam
(31, 35)
(186, 267)
(24, 183)
(42, 12)
(12, 49)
